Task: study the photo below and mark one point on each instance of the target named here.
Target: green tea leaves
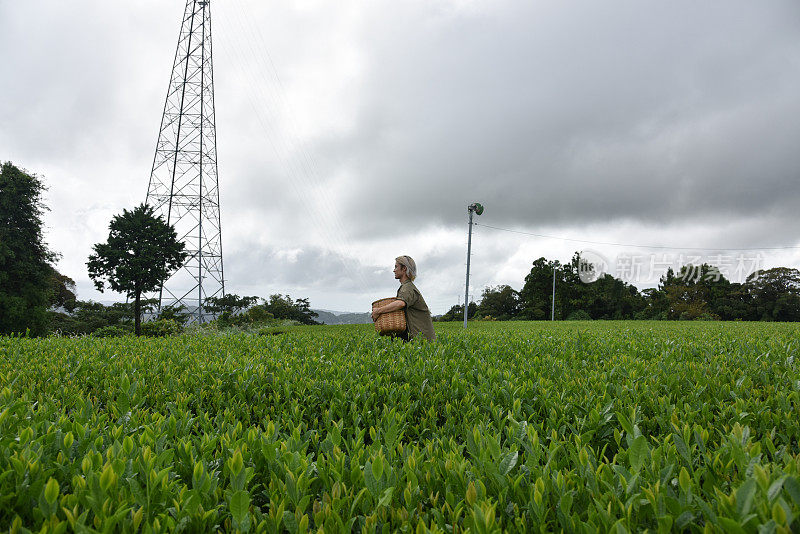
(639, 453)
(792, 487)
(508, 462)
(508, 427)
(239, 506)
(744, 497)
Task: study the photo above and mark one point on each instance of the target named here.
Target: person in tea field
(418, 316)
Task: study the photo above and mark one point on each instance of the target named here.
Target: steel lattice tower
(183, 187)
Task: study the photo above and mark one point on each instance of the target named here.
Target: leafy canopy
(141, 252)
(25, 260)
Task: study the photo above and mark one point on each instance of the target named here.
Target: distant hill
(329, 317)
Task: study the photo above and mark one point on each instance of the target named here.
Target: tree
(178, 314)
(656, 304)
(282, 307)
(501, 303)
(230, 309)
(456, 312)
(141, 252)
(25, 260)
(608, 298)
(230, 304)
(605, 298)
(233, 310)
(776, 294)
(88, 317)
(63, 290)
(536, 294)
(699, 292)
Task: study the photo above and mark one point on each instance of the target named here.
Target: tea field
(518, 427)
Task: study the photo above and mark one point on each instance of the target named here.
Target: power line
(788, 247)
(303, 172)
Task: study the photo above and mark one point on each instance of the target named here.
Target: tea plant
(579, 427)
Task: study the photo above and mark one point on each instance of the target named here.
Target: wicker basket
(392, 322)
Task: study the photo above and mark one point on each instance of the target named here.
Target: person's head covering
(411, 267)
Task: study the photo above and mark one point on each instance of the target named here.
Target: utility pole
(553, 307)
(477, 208)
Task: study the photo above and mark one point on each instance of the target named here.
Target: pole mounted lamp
(472, 208)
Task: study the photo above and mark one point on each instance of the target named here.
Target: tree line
(141, 251)
(694, 292)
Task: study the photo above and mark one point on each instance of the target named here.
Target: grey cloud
(303, 268)
(73, 86)
(581, 113)
(557, 116)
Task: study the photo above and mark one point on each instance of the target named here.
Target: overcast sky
(351, 132)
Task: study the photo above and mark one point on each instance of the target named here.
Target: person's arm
(392, 306)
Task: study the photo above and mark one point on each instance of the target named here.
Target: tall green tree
(141, 252)
(776, 294)
(63, 290)
(229, 304)
(536, 293)
(230, 309)
(25, 260)
(282, 307)
(501, 303)
(607, 298)
(700, 292)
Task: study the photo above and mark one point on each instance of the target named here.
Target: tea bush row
(580, 427)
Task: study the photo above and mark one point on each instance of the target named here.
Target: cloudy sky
(351, 132)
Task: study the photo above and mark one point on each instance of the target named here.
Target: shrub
(161, 328)
(579, 315)
(111, 331)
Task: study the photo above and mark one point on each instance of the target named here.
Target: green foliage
(231, 304)
(239, 312)
(111, 331)
(26, 290)
(177, 314)
(456, 313)
(87, 317)
(259, 315)
(283, 307)
(501, 303)
(98, 320)
(161, 328)
(776, 294)
(579, 315)
(696, 292)
(273, 330)
(62, 290)
(141, 252)
(536, 293)
(517, 427)
(245, 313)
